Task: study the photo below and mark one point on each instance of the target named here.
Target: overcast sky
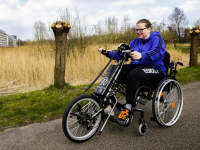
(17, 17)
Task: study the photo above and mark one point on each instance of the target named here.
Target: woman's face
(142, 31)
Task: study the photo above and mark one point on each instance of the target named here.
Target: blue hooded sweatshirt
(152, 50)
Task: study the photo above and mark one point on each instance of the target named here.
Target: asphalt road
(185, 134)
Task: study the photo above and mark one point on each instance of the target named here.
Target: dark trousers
(137, 77)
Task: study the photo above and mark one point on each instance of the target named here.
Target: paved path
(185, 134)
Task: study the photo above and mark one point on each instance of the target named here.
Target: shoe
(107, 110)
(124, 118)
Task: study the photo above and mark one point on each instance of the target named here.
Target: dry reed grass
(25, 68)
(179, 56)
(83, 68)
(31, 67)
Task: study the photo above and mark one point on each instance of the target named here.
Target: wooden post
(194, 33)
(199, 42)
(175, 40)
(60, 30)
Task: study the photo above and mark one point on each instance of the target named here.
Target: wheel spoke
(88, 109)
(92, 109)
(74, 129)
(81, 132)
(86, 106)
(71, 123)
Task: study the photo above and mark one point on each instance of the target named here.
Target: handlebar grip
(180, 63)
(103, 51)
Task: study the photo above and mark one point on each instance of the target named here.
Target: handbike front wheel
(167, 102)
(77, 123)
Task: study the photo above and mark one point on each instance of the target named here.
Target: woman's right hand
(102, 51)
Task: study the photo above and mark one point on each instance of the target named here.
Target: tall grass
(82, 68)
(25, 68)
(31, 67)
(178, 56)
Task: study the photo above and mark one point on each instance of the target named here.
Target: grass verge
(185, 49)
(50, 103)
(37, 106)
(188, 74)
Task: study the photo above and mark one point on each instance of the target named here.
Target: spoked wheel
(77, 123)
(167, 102)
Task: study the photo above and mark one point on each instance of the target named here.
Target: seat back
(167, 61)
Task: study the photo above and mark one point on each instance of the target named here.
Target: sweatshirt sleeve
(156, 51)
(116, 56)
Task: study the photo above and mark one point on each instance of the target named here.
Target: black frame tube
(100, 73)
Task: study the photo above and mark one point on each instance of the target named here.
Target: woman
(146, 67)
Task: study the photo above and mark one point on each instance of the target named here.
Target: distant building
(7, 40)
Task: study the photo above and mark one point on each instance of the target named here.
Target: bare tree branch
(178, 21)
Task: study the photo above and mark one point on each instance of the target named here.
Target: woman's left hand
(136, 55)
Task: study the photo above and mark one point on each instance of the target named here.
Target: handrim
(159, 115)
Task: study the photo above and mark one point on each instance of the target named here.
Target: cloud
(22, 17)
(190, 7)
(131, 3)
(18, 17)
(191, 10)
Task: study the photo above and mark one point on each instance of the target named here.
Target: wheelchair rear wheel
(167, 102)
(77, 123)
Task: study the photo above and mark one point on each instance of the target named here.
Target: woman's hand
(101, 49)
(136, 55)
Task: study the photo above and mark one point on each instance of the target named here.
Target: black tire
(167, 102)
(76, 125)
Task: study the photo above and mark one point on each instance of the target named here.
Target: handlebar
(127, 51)
(172, 69)
(113, 50)
(180, 63)
(123, 51)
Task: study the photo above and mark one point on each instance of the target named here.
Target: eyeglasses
(140, 30)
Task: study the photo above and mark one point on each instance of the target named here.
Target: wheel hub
(83, 119)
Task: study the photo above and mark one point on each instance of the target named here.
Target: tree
(197, 23)
(186, 36)
(20, 42)
(79, 33)
(126, 24)
(160, 27)
(40, 31)
(60, 30)
(111, 24)
(178, 21)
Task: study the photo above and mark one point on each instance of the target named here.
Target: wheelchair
(83, 116)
